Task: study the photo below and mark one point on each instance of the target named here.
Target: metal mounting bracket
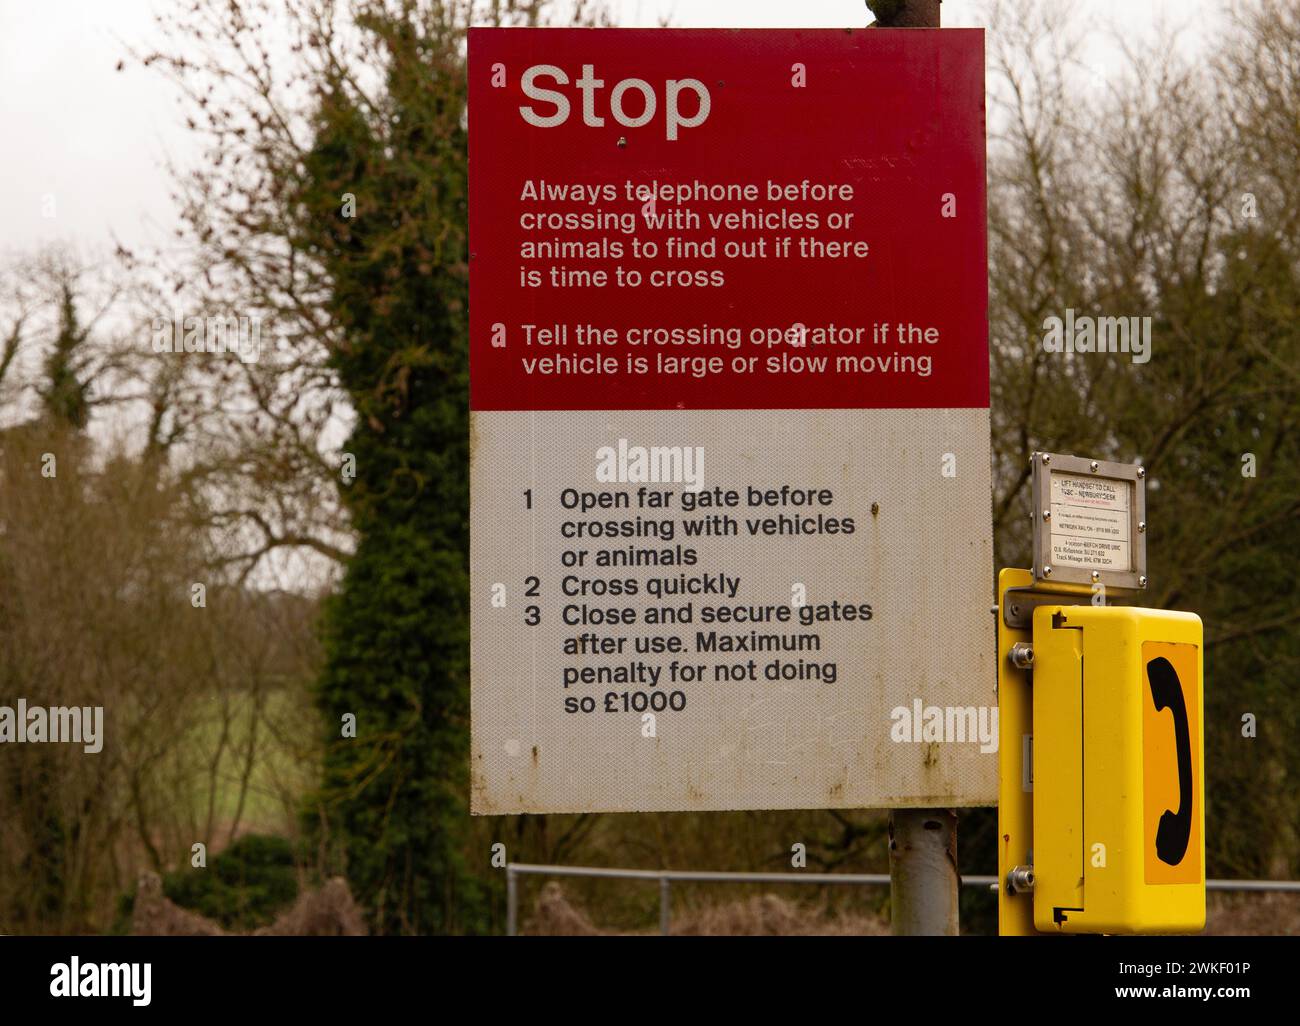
(1018, 605)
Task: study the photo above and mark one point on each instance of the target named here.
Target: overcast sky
(86, 144)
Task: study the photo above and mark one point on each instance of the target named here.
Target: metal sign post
(923, 875)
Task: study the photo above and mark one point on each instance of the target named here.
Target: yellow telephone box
(1118, 770)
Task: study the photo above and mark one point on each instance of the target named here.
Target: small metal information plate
(1089, 521)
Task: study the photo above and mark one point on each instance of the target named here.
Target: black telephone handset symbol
(1175, 827)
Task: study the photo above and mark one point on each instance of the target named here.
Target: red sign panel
(720, 219)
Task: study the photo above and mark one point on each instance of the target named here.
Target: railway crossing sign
(730, 497)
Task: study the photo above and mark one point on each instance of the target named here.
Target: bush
(243, 887)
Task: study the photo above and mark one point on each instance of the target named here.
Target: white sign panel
(1090, 522)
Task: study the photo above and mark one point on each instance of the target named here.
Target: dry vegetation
(556, 914)
(761, 915)
(328, 911)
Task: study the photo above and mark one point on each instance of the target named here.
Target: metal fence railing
(666, 878)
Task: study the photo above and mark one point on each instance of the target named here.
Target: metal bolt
(1022, 655)
(1047, 514)
(1094, 466)
(1142, 526)
(1020, 879)
(1047, 571)
(1142, 582)
(1047, 458)
(622, 142)
(1096, 576)
(1142, 471)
